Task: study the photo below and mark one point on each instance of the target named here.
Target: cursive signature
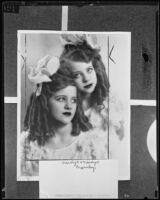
(82, 164)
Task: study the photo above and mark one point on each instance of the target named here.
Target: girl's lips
(68, 114)
(88, 86)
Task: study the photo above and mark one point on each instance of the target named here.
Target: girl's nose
(68, 105)
(85, 78)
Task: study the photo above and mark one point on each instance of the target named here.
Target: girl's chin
(62, 122)
(89, 91)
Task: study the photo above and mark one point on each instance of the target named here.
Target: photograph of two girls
(74, 90)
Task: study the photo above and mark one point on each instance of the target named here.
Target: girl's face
(63, 104)
(84, 75)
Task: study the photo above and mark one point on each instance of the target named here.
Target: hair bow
(46, 67)
(75, 39)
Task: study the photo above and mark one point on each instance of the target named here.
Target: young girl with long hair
(81, 55)
(55, 126)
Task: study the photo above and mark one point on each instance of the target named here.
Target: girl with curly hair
(81, 55)
(55, 126)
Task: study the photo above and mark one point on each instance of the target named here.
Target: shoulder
(89, 136)
(93, 143)
(112, 101)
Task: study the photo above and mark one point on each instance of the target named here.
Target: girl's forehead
(79, 66)
(67, 91)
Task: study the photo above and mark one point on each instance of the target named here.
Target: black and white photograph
(80, 100)
(74, 92)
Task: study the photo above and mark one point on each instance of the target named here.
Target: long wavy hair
(38, 119)
(84, 53)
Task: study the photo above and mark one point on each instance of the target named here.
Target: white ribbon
(76, 39)
(46, 67)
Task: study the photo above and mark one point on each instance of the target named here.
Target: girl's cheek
(78, 83)
(75, 108)
(59, 104)
(95, 78)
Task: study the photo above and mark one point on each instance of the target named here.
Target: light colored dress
(88, 145)
(109, 120)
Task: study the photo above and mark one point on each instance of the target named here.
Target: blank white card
(78, 179)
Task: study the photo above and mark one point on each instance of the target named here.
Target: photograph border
(19, 32)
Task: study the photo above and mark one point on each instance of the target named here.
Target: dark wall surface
(141, 21)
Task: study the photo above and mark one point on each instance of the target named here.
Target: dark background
(141, 21)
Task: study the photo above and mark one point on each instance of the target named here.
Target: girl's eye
(90, 69)
(77, 76)
(74, 100)
(61, 99)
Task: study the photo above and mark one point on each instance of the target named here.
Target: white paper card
(78, 179)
